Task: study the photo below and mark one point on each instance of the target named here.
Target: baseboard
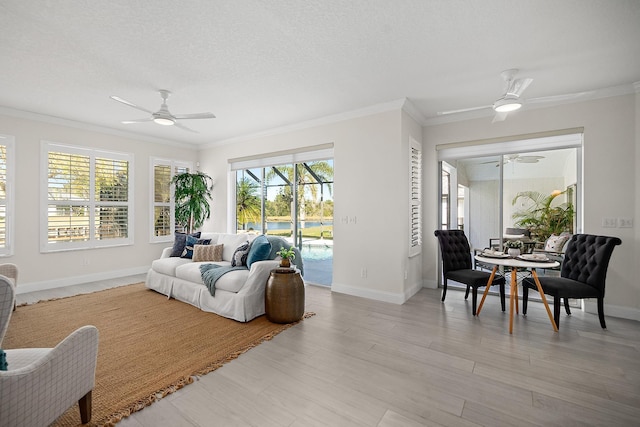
(24, 288)
(394, 298)
(631, 313)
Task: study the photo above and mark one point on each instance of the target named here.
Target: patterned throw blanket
(212, 272)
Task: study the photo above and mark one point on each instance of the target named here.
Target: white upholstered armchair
(42, 383)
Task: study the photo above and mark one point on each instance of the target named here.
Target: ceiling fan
(511, 99)
(163, 116)
(516, 158)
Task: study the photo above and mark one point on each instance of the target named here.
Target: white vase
(513, 252)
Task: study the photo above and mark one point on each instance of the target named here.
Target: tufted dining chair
(582, 274)
(457, 266)
(42, 383)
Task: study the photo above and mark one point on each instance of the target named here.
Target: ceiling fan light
(163, 121)
(507, 104)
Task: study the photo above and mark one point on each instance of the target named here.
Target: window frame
(173, 164)
(91, 243)
(8, 141)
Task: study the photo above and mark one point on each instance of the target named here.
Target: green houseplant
(541, 217)
(192, 194)
(287, 256)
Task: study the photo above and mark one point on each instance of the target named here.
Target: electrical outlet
(625, 222)
(608, 222)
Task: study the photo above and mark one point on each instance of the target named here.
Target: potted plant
(192, 194)
(287, 256)
(513, 247)
(541, 218)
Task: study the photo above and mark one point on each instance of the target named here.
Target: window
(415, 226)
(163, 223)
(7, 160)
(87, 198)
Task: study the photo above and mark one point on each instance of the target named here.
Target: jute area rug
(149, 346)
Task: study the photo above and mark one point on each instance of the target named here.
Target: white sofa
(239, 294)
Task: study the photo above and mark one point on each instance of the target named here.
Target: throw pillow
(179, 241)
(259, 250)
(210, 253)
(240, 255)
(556, 243)
(190, 243)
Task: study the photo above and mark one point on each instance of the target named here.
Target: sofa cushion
(211, 236)
(233, 281)
(231, 242)
(259, 251)
(190, 243)
(239, 258)
(168, 265)
(179, 241)
(191, 271)
(207, 253)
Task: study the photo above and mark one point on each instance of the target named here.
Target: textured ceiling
(260, 65)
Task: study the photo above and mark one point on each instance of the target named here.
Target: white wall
(46, 270)
(371, 190)
(610, 156)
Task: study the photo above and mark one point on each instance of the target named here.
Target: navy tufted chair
(456, 266)
(583, 274)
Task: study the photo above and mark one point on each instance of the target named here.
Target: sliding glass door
(531, 194)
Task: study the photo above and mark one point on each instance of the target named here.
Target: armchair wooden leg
(85, 408)
(601, 313)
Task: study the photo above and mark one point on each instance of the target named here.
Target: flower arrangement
(513, 244)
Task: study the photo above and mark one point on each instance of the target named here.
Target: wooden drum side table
(284, 296)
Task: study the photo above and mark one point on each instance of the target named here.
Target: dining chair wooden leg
(502, 296)
(444, 289)
(525, 300)
(466, 293)
(474, 300)
(566, 306)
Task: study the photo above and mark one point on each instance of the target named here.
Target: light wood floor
(365, 363)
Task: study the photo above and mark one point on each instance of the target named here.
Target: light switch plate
(625, 222)
(609, 222)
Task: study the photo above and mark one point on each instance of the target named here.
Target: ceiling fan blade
(529, 159)
(183, 127)
(126, 122)
(560, 98)
(195, 116)
(518, 86)
(125, 102)
(463, 110)
(499, 117)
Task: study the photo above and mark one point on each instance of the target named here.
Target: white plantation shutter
(415, 198)
(163, 223)
(87, 198)
(7, 161)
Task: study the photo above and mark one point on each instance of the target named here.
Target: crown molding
(334, 118)
(21, 114)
